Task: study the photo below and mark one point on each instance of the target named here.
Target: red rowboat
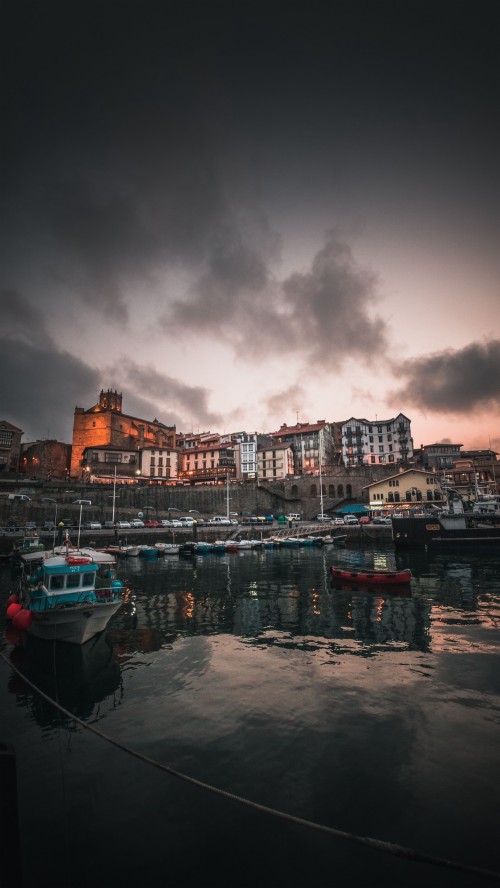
(369, 577)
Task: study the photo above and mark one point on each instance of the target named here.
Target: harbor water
(288, 703)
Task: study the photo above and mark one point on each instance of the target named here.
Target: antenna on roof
(297, 412)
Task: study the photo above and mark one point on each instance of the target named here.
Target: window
(72, 581)
(56, 583)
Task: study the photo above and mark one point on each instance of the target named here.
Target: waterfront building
(275, 461)
(377, 442)
(475, 471)
(10, 446)
(105, 425)
(439, 456)
(312, 445)
(49, 460)
(207, 464)
(404, 490)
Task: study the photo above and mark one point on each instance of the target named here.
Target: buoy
(13, 599)
(22, 620)
(13, 609)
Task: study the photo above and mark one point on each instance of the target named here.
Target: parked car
(122, 524)
(109, 524)
(365, 519)
(351, 519)
(136, 522)
(381, 519)
(94, 525)
(219, 519)
(166, 522)
(30, 525)
(81, 502)
(323, 518)
(294, 516)
(175, 522)
(186, 521)
(152, 522)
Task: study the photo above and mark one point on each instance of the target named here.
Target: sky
(243, 214)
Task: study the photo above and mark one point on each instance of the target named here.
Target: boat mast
(114, 497)
(320, 480)
(227, 494)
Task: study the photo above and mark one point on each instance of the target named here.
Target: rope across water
(376, 844)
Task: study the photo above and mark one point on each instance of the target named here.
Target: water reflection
(79, 677)
(253, 593)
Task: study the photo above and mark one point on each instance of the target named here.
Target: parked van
(293, 517)
(19, 496)
(219, 519)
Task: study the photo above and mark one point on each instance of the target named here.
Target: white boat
(132, 551)
(167, 548)
(58, 599)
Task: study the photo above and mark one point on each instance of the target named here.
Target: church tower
(110, 400)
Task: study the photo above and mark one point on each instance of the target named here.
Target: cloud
(42, 383)
(154, 394)
(322, 316)
(452, 381)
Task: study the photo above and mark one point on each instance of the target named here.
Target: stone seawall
(300, 495)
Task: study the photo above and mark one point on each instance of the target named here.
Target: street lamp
(47, 499)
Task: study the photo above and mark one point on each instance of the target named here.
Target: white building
(377, 441)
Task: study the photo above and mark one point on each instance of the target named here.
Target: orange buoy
(13, 599)
(13, 609)
(22, 620)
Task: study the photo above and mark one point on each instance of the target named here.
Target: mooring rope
(375, 844)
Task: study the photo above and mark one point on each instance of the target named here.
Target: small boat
(167, 548)
(148, 552)
(59, 599)
(29, 545)
(371, 577)
(339, 541)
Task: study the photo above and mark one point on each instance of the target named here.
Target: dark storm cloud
(33, 369)
(459, 381)
(322, 315)
(171, 401)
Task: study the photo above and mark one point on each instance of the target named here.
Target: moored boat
(371, 577)
(59, 599)
(452, 527)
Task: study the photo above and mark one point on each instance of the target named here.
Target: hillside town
(111, 446)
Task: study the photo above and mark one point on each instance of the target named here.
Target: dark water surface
(377, 714)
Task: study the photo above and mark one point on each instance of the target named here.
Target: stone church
(105, 425)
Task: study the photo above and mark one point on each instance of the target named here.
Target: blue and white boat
(59, 600)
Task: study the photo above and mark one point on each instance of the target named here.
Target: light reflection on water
(253, 673)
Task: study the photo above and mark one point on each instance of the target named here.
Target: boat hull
(417, 532)
(74, 624)
(371, 577)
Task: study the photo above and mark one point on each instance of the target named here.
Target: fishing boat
(454, 526)
(371, 577)
(29, 545)
(59, 599)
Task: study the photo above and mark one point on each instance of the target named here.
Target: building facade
(207, 464)
(275, 462)
(49, 460)
(10, 446)
(377, 442)
(312, 445)
(439, 456)
(105, 425)
(404, 490)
